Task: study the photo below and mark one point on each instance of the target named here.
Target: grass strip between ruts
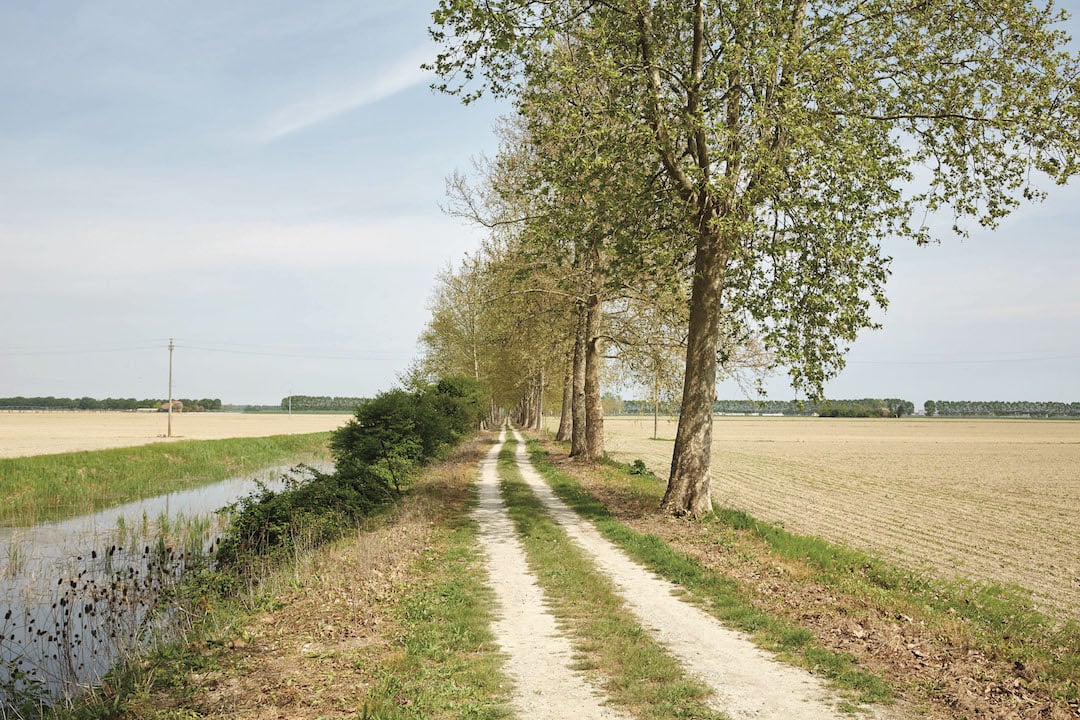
(716, 594)
(639, 676)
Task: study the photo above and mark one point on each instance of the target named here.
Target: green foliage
(89, 403)
(319, 403)
(803, 133)
(313, 508)
(24, 695)
(867, 408)
(997, 408)
(385, 443)
(394, 433)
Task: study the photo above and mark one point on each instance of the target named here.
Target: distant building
(177, 406)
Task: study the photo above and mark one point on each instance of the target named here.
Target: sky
(262, 182)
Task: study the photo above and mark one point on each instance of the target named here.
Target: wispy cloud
(402, 75)
(116, 253)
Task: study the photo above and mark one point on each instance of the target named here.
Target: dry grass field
(995, 500)
(41, 433)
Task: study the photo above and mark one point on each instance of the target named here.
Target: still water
(75, 595)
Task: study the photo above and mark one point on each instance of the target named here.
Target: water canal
(76, 595)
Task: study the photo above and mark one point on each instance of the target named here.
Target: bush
(384, 444)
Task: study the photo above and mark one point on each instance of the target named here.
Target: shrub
(386, 441)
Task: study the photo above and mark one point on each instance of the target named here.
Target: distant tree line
(320, 403)
(1000, 408)
(89, 403)
(889, 407)
(866, 407)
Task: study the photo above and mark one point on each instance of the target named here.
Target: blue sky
(262, 180)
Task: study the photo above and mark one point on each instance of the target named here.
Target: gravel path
(747, 682)
(539, 656)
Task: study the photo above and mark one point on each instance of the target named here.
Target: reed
(109, 604)
(54, 487)
(15, 558)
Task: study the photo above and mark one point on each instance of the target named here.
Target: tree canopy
(789, 138)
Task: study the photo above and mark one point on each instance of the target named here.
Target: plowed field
(991, 500)
(41, 433)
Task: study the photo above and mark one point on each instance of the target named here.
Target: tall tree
(797, 135)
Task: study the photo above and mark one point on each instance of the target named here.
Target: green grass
(449, 667)
(640, 676)
(1001, 621)
(53, 487)
(718, 595)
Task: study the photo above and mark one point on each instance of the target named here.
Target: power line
(377, 354)
(70, 350)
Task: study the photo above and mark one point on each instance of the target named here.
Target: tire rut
(746, 681)
(539, 657)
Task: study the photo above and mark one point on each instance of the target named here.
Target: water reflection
(75, 594)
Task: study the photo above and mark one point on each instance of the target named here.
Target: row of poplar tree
(687, 189)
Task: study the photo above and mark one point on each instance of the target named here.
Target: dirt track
(538, 656)
(41, 433)
(991, 500)
(747, 683)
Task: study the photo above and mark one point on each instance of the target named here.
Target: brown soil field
(986, 500)
(42, 433)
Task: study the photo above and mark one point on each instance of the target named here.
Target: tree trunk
(566, 416)
(577, 432)
(688, 491)
(594, 406)
(540, 402)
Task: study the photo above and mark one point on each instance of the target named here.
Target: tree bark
(688, 491)
(577, 432)
(540, 401)
(594, 407)
(566, 416)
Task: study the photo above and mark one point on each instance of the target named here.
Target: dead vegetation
(319, 629)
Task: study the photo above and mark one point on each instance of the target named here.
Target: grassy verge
(640, 677)
(999, 621)
(717, 594)
(389, 622)
(52, 487)
(968, 650)
(446, 664)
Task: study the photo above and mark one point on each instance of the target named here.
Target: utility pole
(169, 433)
